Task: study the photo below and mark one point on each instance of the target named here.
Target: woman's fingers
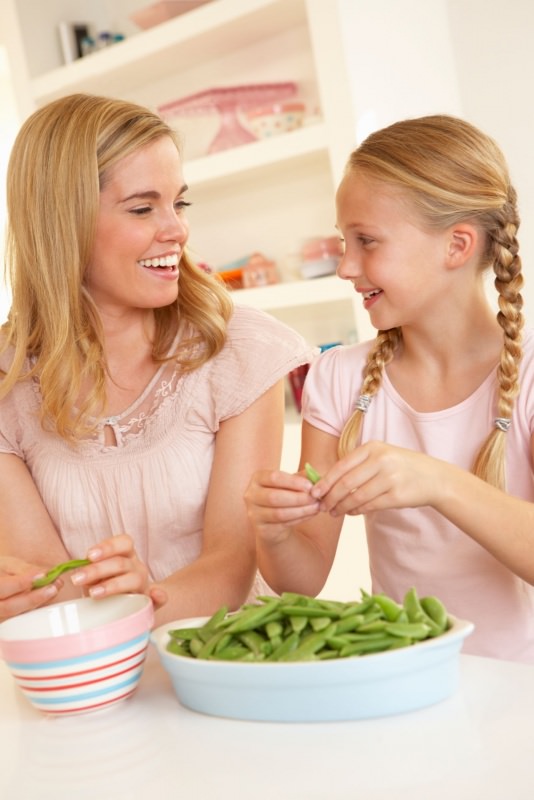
(17, 596)
(114, 569)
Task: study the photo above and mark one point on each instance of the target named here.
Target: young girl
(426, 430)
(135, 400)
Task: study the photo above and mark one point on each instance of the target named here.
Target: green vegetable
(311, 473)
(295, 627)
(54, 573)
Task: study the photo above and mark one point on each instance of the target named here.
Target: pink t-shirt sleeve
(260, 351)
(332, 386)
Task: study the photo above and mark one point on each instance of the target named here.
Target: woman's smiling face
(392, 260)
(141, 231)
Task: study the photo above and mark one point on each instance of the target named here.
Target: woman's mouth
(168, 263)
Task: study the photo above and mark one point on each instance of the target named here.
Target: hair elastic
(503, 424)
(363, 402)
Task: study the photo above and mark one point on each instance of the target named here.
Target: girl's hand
(115, 569)
(378, 476)
(276, 500)
(16, 594)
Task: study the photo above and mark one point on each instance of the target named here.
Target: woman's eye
(141, 210)
(366, 240)
(179, 204)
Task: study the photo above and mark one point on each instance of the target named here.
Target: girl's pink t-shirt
(418, 546)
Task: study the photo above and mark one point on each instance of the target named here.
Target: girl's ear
(462, 244)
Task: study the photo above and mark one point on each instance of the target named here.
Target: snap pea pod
(55, 572)
(311, 473)
(295, 627)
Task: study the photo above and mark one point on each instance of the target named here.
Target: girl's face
(141, 231)
(396, 265)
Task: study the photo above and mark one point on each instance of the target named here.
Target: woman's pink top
(419, 547)
(154, 483)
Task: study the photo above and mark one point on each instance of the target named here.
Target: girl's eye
(179, 204)
(366, 240)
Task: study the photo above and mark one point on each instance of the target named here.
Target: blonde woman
(428, 429)
(135, 400)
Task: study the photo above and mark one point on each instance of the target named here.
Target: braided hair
(452, 172)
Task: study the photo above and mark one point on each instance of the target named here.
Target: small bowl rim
(82, 642)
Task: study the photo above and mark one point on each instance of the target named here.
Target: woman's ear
(462, 244)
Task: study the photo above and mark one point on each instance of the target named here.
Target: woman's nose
(175, 227)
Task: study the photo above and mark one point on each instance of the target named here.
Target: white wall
(494, 52)
(400, 59)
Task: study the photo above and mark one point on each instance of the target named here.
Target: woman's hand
(378, 476)
(16, 594)
(115, 569)
(278, 500)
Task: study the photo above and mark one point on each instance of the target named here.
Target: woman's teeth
(166, 261)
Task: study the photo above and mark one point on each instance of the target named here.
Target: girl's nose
(347, 268)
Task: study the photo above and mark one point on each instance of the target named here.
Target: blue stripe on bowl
(64, 662)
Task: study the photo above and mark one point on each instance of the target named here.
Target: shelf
(295, 294)
(209, 32)
(299, 144)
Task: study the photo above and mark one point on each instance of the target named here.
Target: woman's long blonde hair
(452, 172)
(57, 168)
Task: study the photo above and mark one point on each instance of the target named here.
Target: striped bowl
(81, 655)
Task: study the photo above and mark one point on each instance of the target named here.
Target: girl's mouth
(371, 297)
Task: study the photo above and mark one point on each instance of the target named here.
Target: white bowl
(351, 688)
(81, 655)
(267, 121)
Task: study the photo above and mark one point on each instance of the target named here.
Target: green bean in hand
(295, 627)
(311, 473)
(55, 572)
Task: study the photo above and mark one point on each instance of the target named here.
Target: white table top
(476, 745)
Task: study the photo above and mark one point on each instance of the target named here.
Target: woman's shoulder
(257, 332)
(248, 321)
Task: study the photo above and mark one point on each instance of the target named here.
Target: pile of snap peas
(295, 627)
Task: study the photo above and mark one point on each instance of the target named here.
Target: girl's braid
(379, 356)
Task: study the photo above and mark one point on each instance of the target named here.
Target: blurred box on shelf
(156, 13)
(320, 256)
(251, 270)
(233, 278)
(259, 271)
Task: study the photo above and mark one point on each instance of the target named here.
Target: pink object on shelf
(160, 12)
(226, 101)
